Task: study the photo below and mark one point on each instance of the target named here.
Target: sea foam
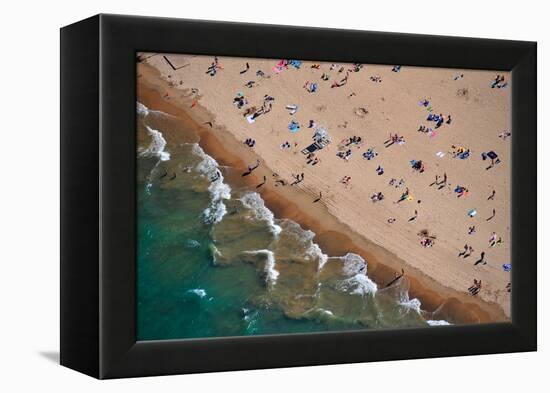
(156, 147)
(254, 202)
(271, 274)
(440, 322)
(198, 291)
(358, 283)
(209, 169)
(142, 110)
(409, 304)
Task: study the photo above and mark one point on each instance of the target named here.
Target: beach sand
(345, 219)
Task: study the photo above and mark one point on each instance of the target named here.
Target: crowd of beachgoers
(431, 125)
(433, 121)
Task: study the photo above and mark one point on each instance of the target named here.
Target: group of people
(400, 140)
(344, 154)
(312, 159)
(214, 67)
(499, 82)
(345, 151)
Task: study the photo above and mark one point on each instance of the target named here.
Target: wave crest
(209, 169)
(157, 146)
(254, 202)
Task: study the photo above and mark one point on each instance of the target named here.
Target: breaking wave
(254, 202)
(271, 274)
(357, 283)
(440, 322)
(157, 146)
(198, 291)
(209, 169)
(142, 110)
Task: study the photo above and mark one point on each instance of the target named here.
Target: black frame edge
(524, 195)
(121, 356)
(79, 275)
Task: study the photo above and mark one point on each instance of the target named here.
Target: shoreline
(333, 236)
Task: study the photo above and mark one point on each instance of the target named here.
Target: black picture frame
(98, 175)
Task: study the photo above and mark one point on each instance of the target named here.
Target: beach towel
(250, 119)
(292, 108)
(295, 63)
(293, 126)
(507, 267)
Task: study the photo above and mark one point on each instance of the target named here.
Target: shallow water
(213, 260)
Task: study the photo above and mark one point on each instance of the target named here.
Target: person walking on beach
(493, 216)
(414, 217)
(464, 252)
(397, 277)
(251, 168)
(261, 184)
(246, 69)
(492, 196)
(474, 289)
(318, 198)
(481, 259)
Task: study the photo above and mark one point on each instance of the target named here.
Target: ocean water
(213, 260)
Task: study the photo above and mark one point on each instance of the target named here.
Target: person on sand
(391, 220)
(471, 230)
(404, 196)
(436, 181)
(318, 198)
(261, 184)
(247, 67)
(397, 277)
(481, 259)
(493, 216)
(414, 217)
(474, 289)
(492, 196)
(251, 168)
(464, 252)
(345, 180)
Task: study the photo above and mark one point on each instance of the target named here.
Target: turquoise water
(213, 261)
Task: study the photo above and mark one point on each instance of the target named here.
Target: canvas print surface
(281, 196)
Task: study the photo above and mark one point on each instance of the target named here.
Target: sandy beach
(426, 231)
